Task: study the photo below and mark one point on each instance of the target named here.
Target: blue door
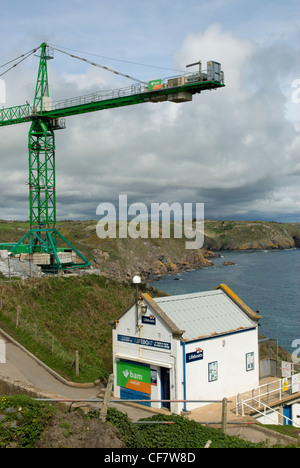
(165, 386)
(287, 413)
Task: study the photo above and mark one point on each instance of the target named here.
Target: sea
(267, 281)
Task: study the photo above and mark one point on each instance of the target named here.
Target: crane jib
(105, 100)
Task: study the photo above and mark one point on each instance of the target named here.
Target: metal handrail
(246, 397)
(278, 389)
(127, 91)
(125, 400)
(265, 414)
(267, 393)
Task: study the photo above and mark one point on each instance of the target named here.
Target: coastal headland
(151, 258)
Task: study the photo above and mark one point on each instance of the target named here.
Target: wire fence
(42, 336)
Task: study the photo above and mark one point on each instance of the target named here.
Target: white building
(199, 347)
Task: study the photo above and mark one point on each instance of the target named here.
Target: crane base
(43, 250)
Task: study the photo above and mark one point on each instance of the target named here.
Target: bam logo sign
(2, 352)
(134, 376)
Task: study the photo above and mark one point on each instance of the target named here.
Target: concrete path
(21, 366)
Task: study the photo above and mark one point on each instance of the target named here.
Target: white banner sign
(286, 369)
(295, 383)
(2, 352)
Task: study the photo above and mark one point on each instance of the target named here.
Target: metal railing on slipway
(264, 396)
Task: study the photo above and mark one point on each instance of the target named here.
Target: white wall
(296, 414)
(276, 417)
(229, 351)
(270, 418)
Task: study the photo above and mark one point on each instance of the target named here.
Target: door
(165, 386)
(287, 413)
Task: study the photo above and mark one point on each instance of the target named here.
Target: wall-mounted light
(137, 280)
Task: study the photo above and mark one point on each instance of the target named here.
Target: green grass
(183, 433)
(22, 421)
(73, 313)
(61, 315)
(67, 314)
(287, 430)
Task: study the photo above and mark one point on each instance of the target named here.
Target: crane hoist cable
(122, 60)
(100, 66)
(22, 57)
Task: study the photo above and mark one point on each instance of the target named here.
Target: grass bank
(55, 316)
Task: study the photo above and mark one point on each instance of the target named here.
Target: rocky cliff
(251, 235)
(150, 258)
(154, 257)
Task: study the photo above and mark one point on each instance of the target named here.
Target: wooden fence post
(76, 363)
(18, 316)
(106, 398)
(224, 415)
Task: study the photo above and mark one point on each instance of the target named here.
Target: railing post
(280, 387)
(237, 404)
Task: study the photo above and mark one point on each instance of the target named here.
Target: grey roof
(205, 314)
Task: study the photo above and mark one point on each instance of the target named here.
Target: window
(249, 362)
(213, 371)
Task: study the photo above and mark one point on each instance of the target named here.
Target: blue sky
(235, 150)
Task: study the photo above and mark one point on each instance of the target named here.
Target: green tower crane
(43, 237)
